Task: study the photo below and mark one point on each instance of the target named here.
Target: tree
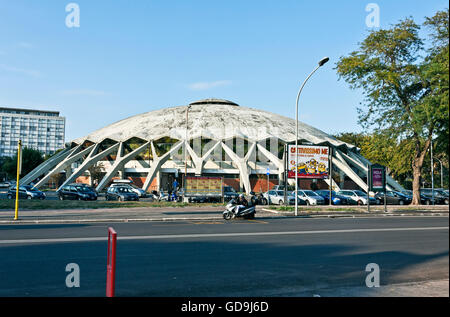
(31, 158)
(385, 150)
(406, 97)
(96, 172)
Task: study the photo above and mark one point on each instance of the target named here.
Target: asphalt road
(270, 257)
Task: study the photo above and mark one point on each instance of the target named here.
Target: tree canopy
(404, 79)
(31, 158)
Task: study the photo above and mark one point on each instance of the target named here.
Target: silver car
(139, 191)
(359, 196)
(311, 198)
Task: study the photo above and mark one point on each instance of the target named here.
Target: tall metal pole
(368, 188)
(185, 150)
(442, 178)
(321, 63)
(285, 174)
(432, 173)
(330, 175)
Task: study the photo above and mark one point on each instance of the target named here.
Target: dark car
(336, 199)
(393, 198)
(25, 192)
(424, 199)
(77, 192)
(121, 194)
(229, 193)
(439, 197)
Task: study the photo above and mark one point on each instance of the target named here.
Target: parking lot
(53, 195)
(272, 197)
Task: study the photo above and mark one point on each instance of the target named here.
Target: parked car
(393, 198)
(139, 191)
(289, 188)
(84, 185)
(25, 192)
(277, 197)
(299, 201)
(310, 197)
(424, 199)
(359, 196)
(335, 198)
(77, 192)
(121, 193)
(439, 196)
(7, 184)
(229, 193)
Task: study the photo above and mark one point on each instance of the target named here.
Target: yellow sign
(19, 167)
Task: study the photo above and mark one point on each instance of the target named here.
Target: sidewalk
(207, 213)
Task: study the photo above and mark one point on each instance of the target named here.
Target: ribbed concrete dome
(210, 118)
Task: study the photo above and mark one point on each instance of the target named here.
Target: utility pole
(185, 150)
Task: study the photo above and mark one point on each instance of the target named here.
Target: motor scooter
(246, 213)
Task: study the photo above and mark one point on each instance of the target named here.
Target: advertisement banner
(377, 178)
(312, 161)
(204, 185)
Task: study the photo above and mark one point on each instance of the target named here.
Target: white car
(359, 196)
(311, 198)
(277, 197)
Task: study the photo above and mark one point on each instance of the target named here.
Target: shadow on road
(276, 267)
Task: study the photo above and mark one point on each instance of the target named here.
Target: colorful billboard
(203, 185)
(312, 161)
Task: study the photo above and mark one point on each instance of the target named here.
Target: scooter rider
(241, 203)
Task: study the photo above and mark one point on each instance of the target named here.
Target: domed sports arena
(210, 137)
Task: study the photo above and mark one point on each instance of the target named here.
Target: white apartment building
(38, 129)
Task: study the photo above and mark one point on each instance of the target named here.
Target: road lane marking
(214, 235)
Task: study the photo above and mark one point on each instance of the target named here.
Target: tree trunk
(417, 169)
(417, 173)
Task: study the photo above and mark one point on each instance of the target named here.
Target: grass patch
(311, 209)
(75, 204)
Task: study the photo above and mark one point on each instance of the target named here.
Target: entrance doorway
(167, 179)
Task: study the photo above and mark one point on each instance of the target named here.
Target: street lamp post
(321, 63)
(185, 149)
(442, 182)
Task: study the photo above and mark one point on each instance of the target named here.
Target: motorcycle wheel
(227, 215)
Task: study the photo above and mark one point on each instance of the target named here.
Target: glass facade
(40, 130)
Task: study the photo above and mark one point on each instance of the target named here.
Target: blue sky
(130, 57)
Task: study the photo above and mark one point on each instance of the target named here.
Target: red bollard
(111, 263)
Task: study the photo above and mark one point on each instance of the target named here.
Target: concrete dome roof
(214, 119)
